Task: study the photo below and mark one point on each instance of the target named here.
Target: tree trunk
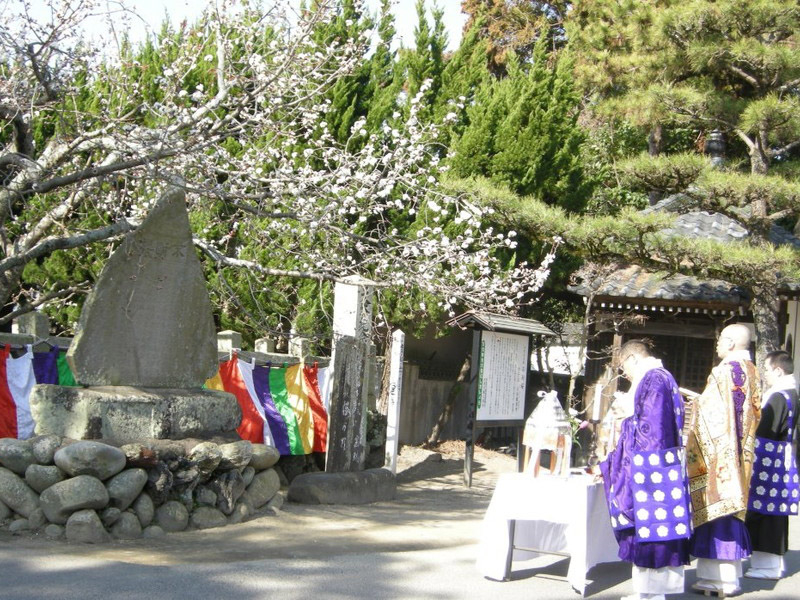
(382, 403)
(766, 320)
(587, 322)
(759, 161)
(9, 284)
(655, 139)
(447, 409)
(654, 143)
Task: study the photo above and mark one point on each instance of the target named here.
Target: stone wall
(89, 491)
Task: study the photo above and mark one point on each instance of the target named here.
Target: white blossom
(330, 205)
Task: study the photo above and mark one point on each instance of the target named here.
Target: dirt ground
(417, 462)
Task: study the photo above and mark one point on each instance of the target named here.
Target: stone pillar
(266, 345)
(228, 341)
(395, 394)
(33, 323)
(347, 416)
(348, 383)
(298, 346)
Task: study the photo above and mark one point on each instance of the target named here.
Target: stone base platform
(357, 487)
(127, 414)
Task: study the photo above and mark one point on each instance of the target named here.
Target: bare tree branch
(56, 293)
(76, 241)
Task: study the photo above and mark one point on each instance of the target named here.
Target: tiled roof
(496, 322)
(714, 226)
(634, 282)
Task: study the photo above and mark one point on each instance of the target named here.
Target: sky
(404, 10)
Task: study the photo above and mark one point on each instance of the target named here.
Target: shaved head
(733, 337)
(635, 347)
(739, 334)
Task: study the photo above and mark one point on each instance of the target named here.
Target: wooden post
(473, 401)
(395, 395)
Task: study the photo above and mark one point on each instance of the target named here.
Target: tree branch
(41, 76)
(16, 159)
(746, 76)
(51, 244)
(44, 299)
(228, 261)
(787, 148)
(23, 140)
(94, 172)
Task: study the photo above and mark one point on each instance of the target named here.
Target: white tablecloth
(552, 515)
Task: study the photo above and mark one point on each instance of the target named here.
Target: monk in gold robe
(720, 460)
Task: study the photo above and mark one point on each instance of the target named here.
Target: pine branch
(786, 149)
(745, 75)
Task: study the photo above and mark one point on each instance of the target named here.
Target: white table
(546, 515)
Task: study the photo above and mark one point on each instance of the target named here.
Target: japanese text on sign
(502, 377)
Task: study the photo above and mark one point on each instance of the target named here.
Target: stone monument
(145, 345)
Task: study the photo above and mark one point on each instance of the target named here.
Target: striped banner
(17, 379)
(281, 406)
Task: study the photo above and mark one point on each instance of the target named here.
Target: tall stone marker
(347, 417)
(145, 345)
(345, 480)
(148, 322)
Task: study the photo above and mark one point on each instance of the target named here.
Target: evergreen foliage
(559, 141)
(522, 132)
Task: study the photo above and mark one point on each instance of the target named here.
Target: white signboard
(502, 377)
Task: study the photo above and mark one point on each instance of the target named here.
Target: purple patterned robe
(655, 425)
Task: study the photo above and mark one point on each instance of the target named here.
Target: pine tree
(731, 67)
(425, 62)
(385, 84)
(464, 72)
(350, 96)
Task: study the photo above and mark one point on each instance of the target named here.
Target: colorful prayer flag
(281, 406)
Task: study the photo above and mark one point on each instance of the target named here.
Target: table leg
(512, 527)
(578, 540)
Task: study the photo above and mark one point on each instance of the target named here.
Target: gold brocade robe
(719, 472)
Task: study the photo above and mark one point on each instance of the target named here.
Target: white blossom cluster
(258, 140)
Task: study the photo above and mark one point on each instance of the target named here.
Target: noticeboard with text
(502, 377)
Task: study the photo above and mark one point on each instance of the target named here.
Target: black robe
(770, 533)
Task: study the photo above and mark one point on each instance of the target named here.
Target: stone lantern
(715, 147)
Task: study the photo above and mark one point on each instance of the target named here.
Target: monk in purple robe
(720, 460)
(645, 479)
(768, 511)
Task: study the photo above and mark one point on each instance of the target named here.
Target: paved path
(422, 545)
